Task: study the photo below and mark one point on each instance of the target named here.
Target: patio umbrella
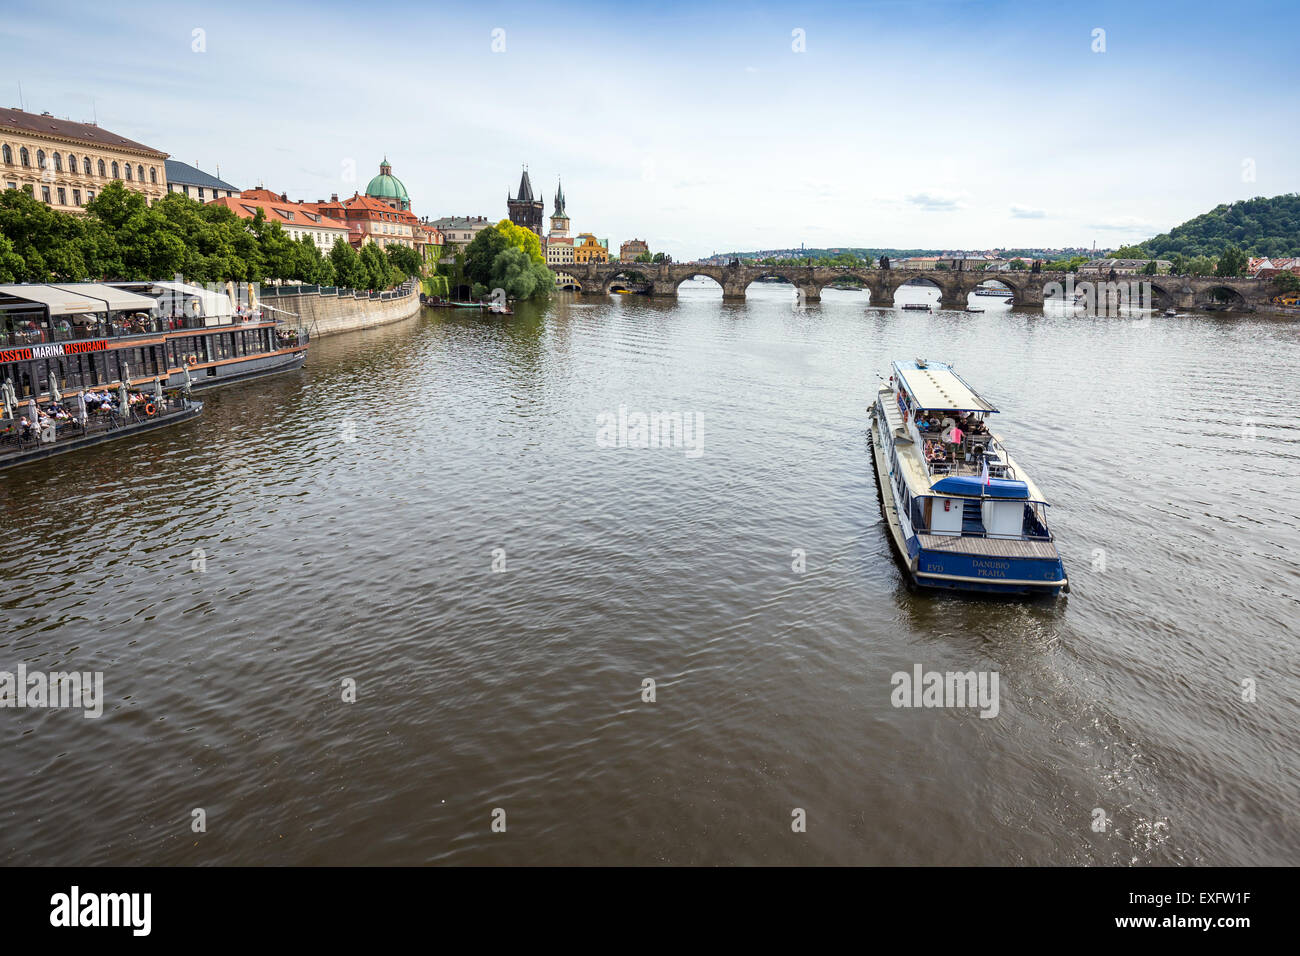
(55, 394)
(81, 408)
(4, 398)
(123, 404)
(35, 416)
(157, 393)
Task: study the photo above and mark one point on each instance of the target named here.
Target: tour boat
(1000, 293)
(973, 308)
(917, 307)
(62, 341)
(961, 513)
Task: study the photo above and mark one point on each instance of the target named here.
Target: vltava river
(342, 523)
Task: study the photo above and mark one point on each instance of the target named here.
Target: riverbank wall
(327, 311)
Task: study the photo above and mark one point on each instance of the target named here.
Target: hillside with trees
(1258, 227)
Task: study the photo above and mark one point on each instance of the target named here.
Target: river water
(426, 510)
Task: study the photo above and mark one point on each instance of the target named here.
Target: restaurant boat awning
(118, 300)
(214, 303)
(60, 301)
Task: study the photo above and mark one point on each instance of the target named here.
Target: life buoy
(192, 360)
(149, 409)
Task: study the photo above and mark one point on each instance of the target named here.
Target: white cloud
(937, 201)
(1027, 212)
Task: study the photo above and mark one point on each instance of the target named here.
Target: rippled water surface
(348, 515)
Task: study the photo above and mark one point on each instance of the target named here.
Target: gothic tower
(524, 209)
(559, 219)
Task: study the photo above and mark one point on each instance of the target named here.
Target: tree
(643, 257)
(405, 260)
(1286, 283)
(1232, 262)
(349, 273)
(1150, 268)
(661, 257)
(482, 252)
(1017, 265)
(1129, 252)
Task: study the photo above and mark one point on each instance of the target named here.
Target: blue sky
(699, 127)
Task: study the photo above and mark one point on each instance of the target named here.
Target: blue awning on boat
(974, 485)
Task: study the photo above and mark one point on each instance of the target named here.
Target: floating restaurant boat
(917, 307)
(961, 513)
(1000, 293)
(136, 350)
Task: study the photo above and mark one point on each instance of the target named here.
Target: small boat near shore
(960, 512)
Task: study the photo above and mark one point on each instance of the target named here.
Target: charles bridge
(1027, 288)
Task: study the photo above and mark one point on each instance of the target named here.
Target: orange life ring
(149, 409)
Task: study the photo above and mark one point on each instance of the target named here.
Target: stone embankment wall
(331, 314)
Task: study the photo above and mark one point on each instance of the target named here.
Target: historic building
(558, 244)
(559, 218)
(195, 183)
(298, 219)
(524, 209)
(461, 230)
(629, 250)
(430, 241)
(66, 164)
(371, 219)
(388, 189)
(588, 248)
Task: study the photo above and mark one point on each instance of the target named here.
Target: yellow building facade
(66, 164)
(587, 248)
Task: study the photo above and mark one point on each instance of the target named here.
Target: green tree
(349, 273)
(1232, 262)
(482, 252)
(1150, 268)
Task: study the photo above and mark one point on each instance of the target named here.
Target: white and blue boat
(961, 513)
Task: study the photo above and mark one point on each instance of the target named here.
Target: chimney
(334, 197)
(284, 197)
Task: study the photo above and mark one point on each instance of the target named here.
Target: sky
(705, 128)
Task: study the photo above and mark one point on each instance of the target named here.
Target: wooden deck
(989, 547)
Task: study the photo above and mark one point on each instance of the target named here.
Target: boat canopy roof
(934, 386)
(115, 299)
(214, 303)
(58, 301)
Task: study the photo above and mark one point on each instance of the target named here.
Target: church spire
(525, 188)
(559, 199)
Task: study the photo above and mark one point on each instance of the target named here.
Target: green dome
(386, 185)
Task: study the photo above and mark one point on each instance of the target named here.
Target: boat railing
(14, 437)
(64, 331)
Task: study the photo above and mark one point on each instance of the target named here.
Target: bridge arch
(713, 276)
(1221, 296)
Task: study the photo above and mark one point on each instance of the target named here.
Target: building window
(9, 155)
(12, 185)
(116, 173)
(200, 193)
(63, 195)
(23, 157)
(85, 165)
(128, 172)
(40, 159)
(76, 197)
(187, 189)
(140, 173)
(153, 175)
(45, 193)
(72, 164)
(90, 195)
(102, 173)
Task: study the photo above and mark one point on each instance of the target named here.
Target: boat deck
(989, 547)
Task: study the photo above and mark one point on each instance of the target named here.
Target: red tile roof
(275, 209)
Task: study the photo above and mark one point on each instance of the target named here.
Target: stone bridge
(1028, 288)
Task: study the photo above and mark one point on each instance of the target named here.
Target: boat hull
(955, 563)
(242, 371)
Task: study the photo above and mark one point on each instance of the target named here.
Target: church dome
(387, 186)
